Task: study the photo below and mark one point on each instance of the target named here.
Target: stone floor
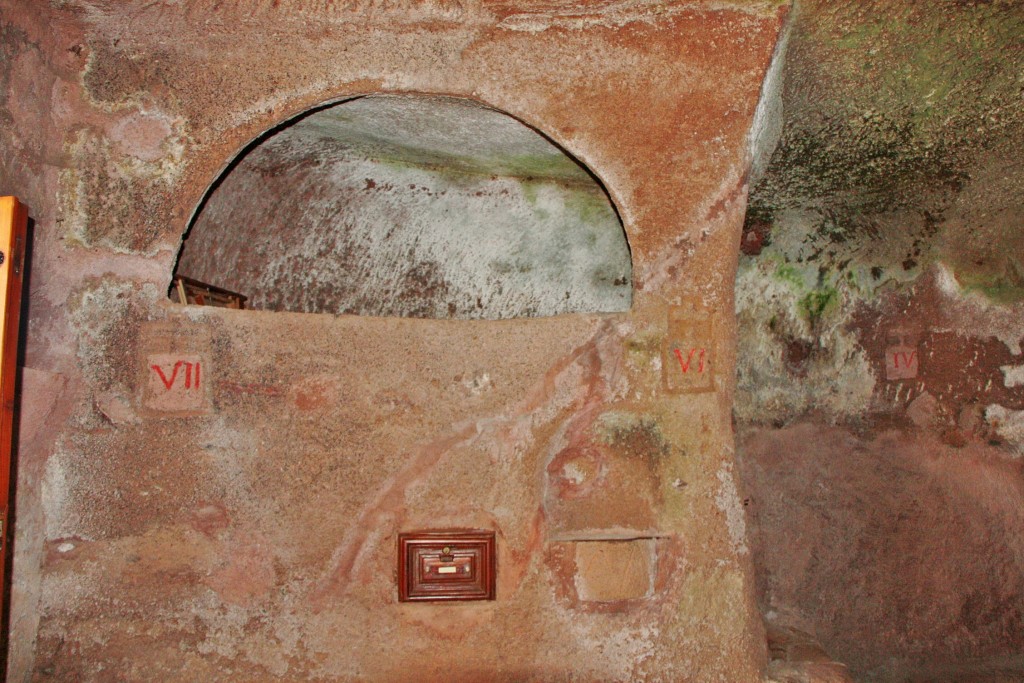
(888, 551)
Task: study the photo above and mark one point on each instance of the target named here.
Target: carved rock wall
(215, 495)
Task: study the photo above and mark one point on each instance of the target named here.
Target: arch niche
(410, 206)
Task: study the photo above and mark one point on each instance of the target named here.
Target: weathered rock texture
(412, 206)
(215, 495)
(879, 301)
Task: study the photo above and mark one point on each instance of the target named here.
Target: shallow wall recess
(414, 206)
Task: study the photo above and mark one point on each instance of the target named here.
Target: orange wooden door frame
(13, 227)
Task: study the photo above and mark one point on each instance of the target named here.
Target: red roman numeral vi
(685, 363)
(189, 376)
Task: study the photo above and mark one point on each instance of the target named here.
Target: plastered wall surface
(215, 495)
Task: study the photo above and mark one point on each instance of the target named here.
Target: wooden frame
(185, 290)
(13, 230)
(446, 565)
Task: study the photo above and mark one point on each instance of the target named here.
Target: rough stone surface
(900, 142)
(412, 206)
(880, 318)
(253, 537)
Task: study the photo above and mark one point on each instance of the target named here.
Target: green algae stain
(1005, 288)
(644, 346)
(815, 304)
(815, 301)
(633, 435)
(593, 207)
(555, 165)
(888, 105)
(790, 274)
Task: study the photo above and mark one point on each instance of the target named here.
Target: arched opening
(410, 206)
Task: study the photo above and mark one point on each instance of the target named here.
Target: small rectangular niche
(615, 570)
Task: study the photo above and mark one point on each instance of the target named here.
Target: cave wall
(214, 495)
(880, 315)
